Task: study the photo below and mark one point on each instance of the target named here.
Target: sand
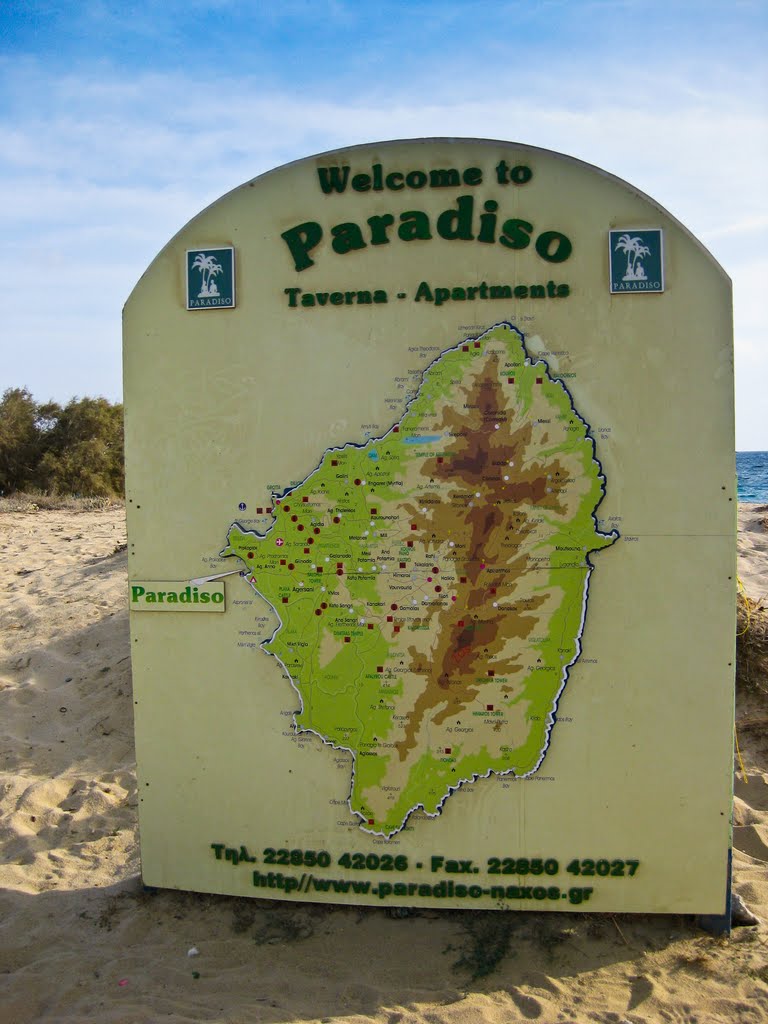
(81, 940)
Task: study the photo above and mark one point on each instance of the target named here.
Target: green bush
(77, 449)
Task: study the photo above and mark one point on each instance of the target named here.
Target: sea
(752, 475)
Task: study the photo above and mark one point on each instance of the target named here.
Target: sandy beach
(82, 940)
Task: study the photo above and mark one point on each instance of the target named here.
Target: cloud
(104, 167)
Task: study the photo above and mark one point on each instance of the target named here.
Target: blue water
(424, 439)
(752, 474)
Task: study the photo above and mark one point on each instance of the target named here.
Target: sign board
(461, 460)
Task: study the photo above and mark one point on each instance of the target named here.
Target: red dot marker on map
(279, 542)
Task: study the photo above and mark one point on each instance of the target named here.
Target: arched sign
(430, 464)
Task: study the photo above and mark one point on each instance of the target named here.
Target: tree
(24, 427)
(84, 450)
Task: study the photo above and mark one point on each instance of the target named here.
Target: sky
(119, 123)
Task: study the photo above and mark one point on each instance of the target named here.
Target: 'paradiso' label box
(179, 596)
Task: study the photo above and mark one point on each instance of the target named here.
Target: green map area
(431, 584)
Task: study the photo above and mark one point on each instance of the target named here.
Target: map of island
(431, 584)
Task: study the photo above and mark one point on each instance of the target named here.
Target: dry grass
(751, 646)
(34, 501)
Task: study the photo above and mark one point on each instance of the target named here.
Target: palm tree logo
(208, 268)
(634, 249)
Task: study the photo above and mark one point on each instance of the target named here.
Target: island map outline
(431, 584)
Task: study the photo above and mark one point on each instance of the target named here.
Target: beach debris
(398, 912)
(741, 915)
(194, 951)
(123, 982)
(195, 975)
